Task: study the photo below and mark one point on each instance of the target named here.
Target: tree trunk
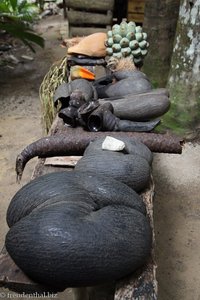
(184, 76)
(160, 19)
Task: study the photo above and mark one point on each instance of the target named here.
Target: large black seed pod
(128, 82)
(141, 107)
(132, 170)
(85, 237)
(66, 186)
(132, 146)
(132, 166)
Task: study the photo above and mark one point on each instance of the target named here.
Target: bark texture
(160, 19)
(184, 77)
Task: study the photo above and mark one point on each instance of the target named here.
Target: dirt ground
(177, 177)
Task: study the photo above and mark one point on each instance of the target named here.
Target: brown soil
(177, 223)
(177, 177)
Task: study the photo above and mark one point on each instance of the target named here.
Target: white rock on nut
(113, 144)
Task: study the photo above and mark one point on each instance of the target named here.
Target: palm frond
(23, 32)
(16, 17)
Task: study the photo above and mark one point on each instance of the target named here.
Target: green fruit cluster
(127, 40)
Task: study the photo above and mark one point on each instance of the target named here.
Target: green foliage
(184, 113)
(16, 17)
(18, 10)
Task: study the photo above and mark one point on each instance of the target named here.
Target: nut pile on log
(73, 141)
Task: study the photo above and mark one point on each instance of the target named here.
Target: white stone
(113, 144)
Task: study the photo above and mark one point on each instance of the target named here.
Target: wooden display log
(91, 5)
(78, 17)
(162, 143)
(65, 140)
(14, 279)
(139, 285)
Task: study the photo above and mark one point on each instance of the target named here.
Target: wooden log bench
(140, 285)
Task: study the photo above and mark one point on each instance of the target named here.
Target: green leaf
(20, 9)
(16, 17)
(28, 44)
(7, 19)
(22, 5)
(13, 4)
(4, 8)
(31, 10)
(34, 38)
(24, 33)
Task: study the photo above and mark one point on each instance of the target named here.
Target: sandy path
(177, 224)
